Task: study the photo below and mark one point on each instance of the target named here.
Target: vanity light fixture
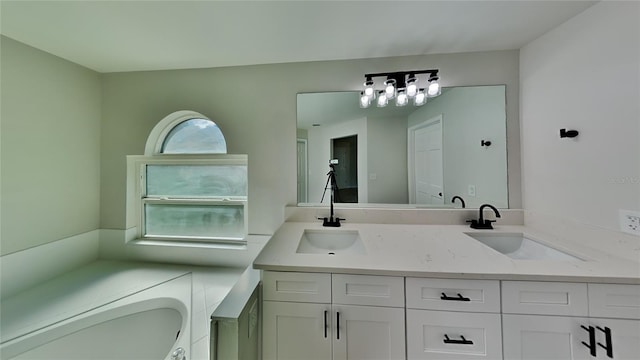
(403, 86)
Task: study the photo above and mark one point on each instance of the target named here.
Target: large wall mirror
(455, 145)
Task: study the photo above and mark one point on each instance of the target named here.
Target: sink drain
(331, 253)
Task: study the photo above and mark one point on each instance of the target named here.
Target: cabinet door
(368, 333)
(453, 335)
(624, 342)
(296, 331)
(530, 337)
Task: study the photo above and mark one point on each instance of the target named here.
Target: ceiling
(115, 36)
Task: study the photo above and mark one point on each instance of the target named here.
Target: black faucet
(453, 200)
(331, 221)
(481, 223)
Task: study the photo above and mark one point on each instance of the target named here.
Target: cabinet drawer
(453, 294)
(614, 301)
(453, 335)
(297, 287)
(368, 290)
(544, 298)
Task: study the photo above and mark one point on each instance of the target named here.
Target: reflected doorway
(303, 182)
(345, 150)
(425, 162)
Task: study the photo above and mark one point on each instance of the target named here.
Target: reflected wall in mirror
(455, 145)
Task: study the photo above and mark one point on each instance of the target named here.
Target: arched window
(189, 189)
(186, 132)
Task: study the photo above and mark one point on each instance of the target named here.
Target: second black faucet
(483, 223)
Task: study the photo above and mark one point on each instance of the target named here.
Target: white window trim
(136, 197)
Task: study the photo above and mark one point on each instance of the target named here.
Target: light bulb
(402, 98)
(412, 86)
(420, 99)
(434, 88)
(390, 88)
(368, 88)
(382, 100)
(365, 100)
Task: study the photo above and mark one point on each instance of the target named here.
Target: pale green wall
(65, 139)
(387, 160)
(469, 115)
(50, 139)
(255, 107)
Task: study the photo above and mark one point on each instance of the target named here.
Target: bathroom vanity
(406, 291)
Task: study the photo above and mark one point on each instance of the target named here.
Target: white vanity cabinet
(453, 319)
(546, 320)
(332, 316)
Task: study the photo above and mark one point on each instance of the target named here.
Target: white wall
(583, 75)
(50, 148)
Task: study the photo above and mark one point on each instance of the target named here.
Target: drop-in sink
(518, 246)
(331, 242)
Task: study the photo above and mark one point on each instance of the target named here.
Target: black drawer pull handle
(592, 339)
(462, 340)
(607, 335)
(458, 298)
(325, 324)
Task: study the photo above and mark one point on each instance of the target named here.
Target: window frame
(136, 187)
(138, 164)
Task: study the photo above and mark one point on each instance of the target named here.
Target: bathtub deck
(103, 282)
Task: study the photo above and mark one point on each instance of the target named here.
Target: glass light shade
(420, 98)
(382, 100)
(368, 89)
(365, 100)
(390, 88)
(412, 87)
(402, 98)
(434, 88)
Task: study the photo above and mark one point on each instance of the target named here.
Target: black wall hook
(485, 143)
(564, 133)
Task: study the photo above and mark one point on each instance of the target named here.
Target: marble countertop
(442, 251)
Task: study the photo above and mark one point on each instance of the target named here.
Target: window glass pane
(194, 220)
(195, 136)
(196, 180)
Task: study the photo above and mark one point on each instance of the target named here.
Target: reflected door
(425, 160)
(302, 170)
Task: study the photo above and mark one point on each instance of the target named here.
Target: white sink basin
(331, 242)
(518, 246)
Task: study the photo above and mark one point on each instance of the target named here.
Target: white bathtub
(150, 324)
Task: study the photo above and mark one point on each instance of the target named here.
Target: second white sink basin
(518, 246)
(331, 242)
